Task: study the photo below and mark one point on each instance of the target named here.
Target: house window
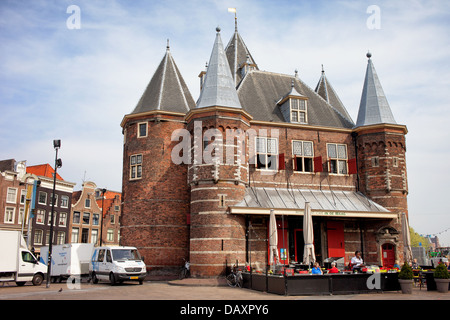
(76, 217)
(11, 195)
(53, 198)
(42, 197)
(375, 161)
(21, 216)
(62, 219)
(86, 217)
(337, 157)
(50, 217)
(395, 162)
(40, 216)
(94, 236)
(87, 203)
(85, 235)
(75, 235)
(64, 201)
(95, 219)
(9, 215)
(298, 110)
(23, 196)
(38, 236)
(303, 154)
(112, 219)
(142, 129)
(136, 166)
(110, 235)
(61, 237)
(266, 153)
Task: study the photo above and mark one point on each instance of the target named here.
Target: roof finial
(296, 73)
(218, 29)
(323, 71)
(168, 46)
(235, 17)
(368, 55)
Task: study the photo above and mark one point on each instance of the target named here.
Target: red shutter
(281, 164)
(352, 168)
(318, 164)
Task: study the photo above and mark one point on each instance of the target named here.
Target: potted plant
(405, 277)
(442, 278)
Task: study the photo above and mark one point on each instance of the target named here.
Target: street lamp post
(58, 164)
(101, 222)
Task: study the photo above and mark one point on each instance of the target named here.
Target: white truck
(68, 260)
(17, 263)
(117, 264)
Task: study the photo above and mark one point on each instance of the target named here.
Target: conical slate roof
(167, 90)
(374, 107)
(238, 54)
(218, 88)
(326, 91)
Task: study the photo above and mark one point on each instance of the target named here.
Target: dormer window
(298, 110)
(294, 106)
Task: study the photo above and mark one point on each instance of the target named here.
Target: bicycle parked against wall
(184, 272)
(235, 279)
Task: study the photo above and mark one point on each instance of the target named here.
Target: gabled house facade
(201, 178)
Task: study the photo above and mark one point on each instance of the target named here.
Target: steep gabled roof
(374, 107)
(238, 54)
(326, 91)
(260, 91)
(167, 90)
(43, 170)
(218, 88)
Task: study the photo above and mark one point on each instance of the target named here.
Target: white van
(117, 264)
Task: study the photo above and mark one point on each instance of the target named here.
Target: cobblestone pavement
(188, 290)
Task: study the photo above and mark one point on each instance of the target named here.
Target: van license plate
(134, 278)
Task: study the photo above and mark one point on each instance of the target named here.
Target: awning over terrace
(290, 201)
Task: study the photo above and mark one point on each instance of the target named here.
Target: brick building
(40, 226)
(201, 178)
(111, 206)
(13, 195)
(86, 215)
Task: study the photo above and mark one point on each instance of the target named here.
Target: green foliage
(416, 239)
(406, 272)
(441, 272)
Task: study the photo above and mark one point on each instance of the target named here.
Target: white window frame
(259, 150)
(39, 197)
(136, 161)
(302, 156)
(40, 213)
(10, 214)
(64, 201)
(139, 129)
(11, 195)
(62, 219)
(23, 196)
(337, 161)
(295, 107)
(38, 236)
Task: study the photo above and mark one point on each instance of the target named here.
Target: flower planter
(442, 285)
(406, 285)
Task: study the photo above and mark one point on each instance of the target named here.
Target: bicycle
(235, 279)
(184, 272)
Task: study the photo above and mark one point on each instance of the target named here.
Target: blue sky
(77, 84)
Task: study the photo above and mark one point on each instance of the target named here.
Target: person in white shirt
(357, 262)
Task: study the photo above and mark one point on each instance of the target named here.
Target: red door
(335, 234)
(388, 254)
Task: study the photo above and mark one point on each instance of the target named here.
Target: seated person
(396, 265)
(316, 269)
(415, 265)
(357, 262)
(333, 268)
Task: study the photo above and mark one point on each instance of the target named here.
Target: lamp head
(56, 144)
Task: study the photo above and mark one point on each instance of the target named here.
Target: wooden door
(388, 255)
